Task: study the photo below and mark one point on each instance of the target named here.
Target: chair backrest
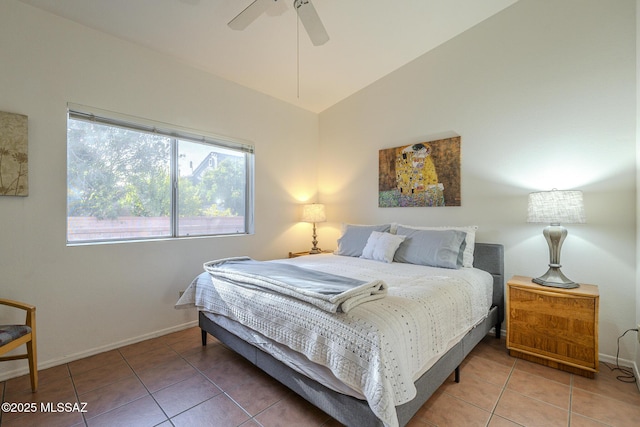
(13, 336)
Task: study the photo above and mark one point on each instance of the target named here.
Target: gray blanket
(329, 292)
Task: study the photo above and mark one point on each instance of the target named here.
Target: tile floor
(173, 381)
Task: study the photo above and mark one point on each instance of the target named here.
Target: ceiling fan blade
(311, 22)
(249, 14)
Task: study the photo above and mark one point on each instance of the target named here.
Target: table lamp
(555, 207)
(314, 213)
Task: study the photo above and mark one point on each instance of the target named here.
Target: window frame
(175, 133)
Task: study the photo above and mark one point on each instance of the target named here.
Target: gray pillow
(354, 238)
(435, 248)
(469, 241)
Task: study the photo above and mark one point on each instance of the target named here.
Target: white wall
(543, 95)
(91, 298)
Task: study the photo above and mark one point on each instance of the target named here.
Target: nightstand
(303, 253)
(552, 326)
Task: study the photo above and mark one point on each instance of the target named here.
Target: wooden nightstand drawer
(555, 327)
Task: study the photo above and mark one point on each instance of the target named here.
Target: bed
(313, 370)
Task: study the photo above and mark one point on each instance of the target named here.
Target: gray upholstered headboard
(490, 257)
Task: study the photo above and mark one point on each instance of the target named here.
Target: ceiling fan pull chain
(298, 52)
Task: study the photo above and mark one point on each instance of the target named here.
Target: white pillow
(381, 246)
(470, 240)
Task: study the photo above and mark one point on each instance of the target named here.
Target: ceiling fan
(306, 12)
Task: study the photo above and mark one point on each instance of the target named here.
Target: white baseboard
(81, 355)
(622, 362)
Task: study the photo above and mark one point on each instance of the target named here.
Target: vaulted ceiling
(273, 55)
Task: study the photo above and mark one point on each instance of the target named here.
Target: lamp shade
(556, 207)
(313, 213)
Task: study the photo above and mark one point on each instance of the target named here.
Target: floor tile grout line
(605, 396)
(75, 390)
(222, 391)
(194, 406)
(191, 407)
(538, 400)
(134, 400)
(468, 403)
(262, 411)
(600, 396)
(99, 388)
(239, 406)
(504, 387)
(571, 380)
(145, 387)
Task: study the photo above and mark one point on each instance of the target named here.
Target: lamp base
(556, 279)
(315, 249)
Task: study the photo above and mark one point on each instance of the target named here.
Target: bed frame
(355, 412)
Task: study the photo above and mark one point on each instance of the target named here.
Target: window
(132, 179)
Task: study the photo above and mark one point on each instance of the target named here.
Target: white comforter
(378, 348)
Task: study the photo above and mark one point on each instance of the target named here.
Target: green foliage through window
(130, 181)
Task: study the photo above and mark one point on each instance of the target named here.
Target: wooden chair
(13, 336)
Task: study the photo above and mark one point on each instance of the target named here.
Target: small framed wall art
(14, 171)
(422, 174)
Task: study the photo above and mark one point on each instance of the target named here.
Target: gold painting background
(14, 171)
